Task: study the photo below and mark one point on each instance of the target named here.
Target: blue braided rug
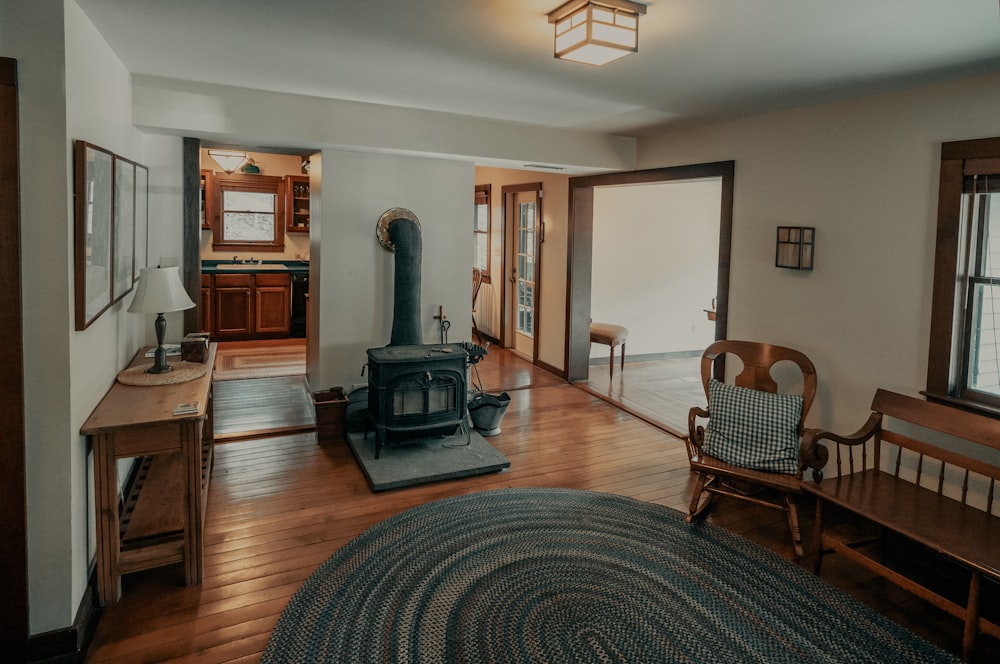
(554, 575)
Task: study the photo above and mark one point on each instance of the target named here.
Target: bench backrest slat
(939, 453)
(946, 419)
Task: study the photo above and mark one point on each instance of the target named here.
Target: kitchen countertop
(225, 267)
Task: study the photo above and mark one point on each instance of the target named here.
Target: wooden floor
(281, 505)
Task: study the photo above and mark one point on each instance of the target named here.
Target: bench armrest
(814, 455)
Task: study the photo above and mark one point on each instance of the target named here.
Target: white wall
(655, 264)
(71, 86)
(239, 116)
(553, 251)
(351, 275)
(865, 174)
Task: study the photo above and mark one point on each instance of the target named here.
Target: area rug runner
(259, 361)
(556, 575)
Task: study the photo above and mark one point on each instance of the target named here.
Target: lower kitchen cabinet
(273, 305)
(251, 306)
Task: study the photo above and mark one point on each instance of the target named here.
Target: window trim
(947, 347)
(485, 190)
(251, 183)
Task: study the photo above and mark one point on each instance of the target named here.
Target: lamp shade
(159, 291)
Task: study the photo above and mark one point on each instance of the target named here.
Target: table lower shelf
(152, 519)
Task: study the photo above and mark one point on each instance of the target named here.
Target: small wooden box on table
(163, 517)
(894, 474)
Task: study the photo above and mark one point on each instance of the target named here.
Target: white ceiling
(697, 59)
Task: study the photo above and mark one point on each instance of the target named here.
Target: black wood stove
(416, 391)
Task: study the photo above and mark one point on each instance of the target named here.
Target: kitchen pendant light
(228, 160)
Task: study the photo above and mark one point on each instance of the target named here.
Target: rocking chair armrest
(814, 455)
(696, 433)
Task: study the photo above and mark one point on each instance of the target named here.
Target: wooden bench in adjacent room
(896, 475)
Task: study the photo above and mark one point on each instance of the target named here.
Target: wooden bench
(896, 475)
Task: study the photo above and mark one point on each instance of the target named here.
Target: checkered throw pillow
(753, 429)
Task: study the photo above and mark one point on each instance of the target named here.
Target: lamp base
(160, 365)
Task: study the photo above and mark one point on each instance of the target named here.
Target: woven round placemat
(182, 373)
(547, 576)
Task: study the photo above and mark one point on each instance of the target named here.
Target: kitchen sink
(250, 266)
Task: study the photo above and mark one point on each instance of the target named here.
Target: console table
(162, 519)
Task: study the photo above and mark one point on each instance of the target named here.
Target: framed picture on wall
(93, 185)
(123, 260)
(141, 219)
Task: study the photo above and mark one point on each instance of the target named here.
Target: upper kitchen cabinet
(297, 203)
(207, 200)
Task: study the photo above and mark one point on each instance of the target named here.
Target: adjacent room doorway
(581, 239)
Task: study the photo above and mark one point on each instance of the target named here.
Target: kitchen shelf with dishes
(297, 202)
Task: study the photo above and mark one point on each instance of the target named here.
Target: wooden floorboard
(280, 505)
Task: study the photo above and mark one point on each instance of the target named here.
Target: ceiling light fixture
(596, 32)
(228, 160)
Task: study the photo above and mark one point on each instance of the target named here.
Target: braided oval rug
(558, 575)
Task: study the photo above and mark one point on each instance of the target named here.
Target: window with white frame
(964, 357)
(481, 230)
(250, 214)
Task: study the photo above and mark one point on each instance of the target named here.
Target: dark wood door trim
(13, 502)
(580, 257)
(191, 275)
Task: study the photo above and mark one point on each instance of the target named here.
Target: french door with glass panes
(522, 204)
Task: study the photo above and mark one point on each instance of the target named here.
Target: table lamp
(159, 291)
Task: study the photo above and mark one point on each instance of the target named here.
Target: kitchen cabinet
(251, 306)
(231, 295)
(207, 200)
(272, 305)
(297, 204)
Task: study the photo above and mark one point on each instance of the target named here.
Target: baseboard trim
(69, 645)
(551, 369)
(602, 360)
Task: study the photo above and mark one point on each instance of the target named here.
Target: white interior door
(523, 213)
(525, 273)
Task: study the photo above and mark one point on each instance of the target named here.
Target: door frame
(506, 292)
(581, 241)
(13, 498)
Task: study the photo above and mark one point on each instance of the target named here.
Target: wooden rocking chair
(753, 452)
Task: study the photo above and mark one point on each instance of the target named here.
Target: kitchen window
(964, 359)
(250, 213)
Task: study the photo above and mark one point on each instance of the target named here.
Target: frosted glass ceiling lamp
(596, 32)
(228, 160)
(159, 291)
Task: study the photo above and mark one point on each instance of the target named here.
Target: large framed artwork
(124, 229)
(111, 226)
(141, 219)
(94, 188)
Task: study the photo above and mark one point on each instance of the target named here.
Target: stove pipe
(405, 236)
